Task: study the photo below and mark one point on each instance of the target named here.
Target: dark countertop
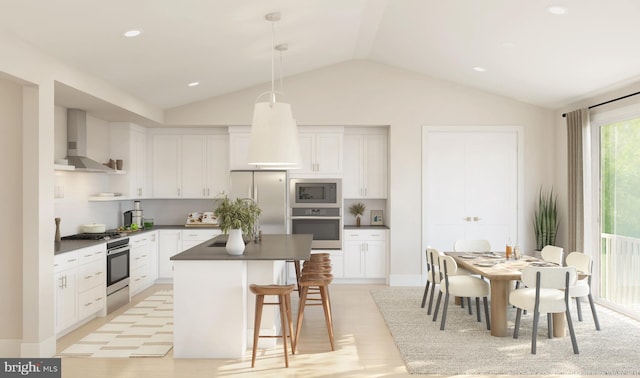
(272, 247)
(368, 227)
(72, 245)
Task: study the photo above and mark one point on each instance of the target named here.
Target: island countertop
(271, 247)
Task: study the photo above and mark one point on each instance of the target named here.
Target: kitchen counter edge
(72, 245)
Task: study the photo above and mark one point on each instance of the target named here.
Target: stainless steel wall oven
(325, 224)
(117, 273)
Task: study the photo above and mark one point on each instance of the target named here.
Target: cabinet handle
(139, 191)
(88, 304)
(204, 192)
(98, 299)
(87, 277)
(89, 255)
(365, 192)
(98, 273)
(71, 260)
(64, 278)
(61, 286)
(178, 192)
(208, 192)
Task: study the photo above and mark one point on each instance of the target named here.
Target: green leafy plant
(241, 213)
(357, 209)
(545, 220)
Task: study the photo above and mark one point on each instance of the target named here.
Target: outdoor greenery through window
(620, 214)
(620, 152)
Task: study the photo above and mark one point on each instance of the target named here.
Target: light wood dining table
(501, 273)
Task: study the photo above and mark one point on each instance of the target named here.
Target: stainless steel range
(117, 273)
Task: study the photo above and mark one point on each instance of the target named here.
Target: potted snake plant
(545, 219)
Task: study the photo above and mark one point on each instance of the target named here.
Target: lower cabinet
(143, 261)
(172, 242)
(365, 254)
(80, 281)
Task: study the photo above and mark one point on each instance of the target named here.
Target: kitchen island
(213, 309)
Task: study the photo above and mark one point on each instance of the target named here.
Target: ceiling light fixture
(193, 84)
(274, 133)
(132, 33)
(557, 10)
(479, 69)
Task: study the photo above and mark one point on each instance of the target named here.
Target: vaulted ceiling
(526, 52)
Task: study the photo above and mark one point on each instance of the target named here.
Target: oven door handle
(118, 250)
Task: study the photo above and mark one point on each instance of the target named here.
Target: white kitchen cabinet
(199, 165)
(204, 165)
(129, 143)
(193, 237)
(142, 272)
(365, 253)
(80, 281)
(66, 295)
(169, 244)
(239, 140)
(365, 165)
(165, 166)
(321, 152)
(153, 256)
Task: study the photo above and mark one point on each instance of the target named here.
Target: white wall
(366, 93)
(11, 205)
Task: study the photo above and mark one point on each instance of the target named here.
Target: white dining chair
(472, 246)
(460, 285)
(553, 254)
(546, 291)
(582, 288)
(433, 276)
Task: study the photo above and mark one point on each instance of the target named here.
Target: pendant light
(274, 133)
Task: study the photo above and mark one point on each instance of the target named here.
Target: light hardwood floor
(364, 347)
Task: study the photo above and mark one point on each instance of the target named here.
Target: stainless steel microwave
(316, 193)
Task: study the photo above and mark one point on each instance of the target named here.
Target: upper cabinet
(365, 163)
(321, 150)
(189, 165)
(239, 139)
(128, 142)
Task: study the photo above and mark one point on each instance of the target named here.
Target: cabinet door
(374, 166)
(66, 311)
(239, 151)
(217, 165)
(169, 244)
(352, 178)
(137, 169)
(374, 259)
(353, 259)
(166, 166)
(193, 166)
(328, 154)
(153, 256)
(307, 153)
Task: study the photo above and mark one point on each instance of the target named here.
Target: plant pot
(235, 243)
(357, 221)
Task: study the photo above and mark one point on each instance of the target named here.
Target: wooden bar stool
(284, 301)
(319, 281)
(296, 266)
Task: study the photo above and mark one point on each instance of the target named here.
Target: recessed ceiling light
(194, 84)
(479, 69)
(132, 33)
(557, 10)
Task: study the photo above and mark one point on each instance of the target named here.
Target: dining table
(502, 273)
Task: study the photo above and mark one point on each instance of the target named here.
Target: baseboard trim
(45, 349)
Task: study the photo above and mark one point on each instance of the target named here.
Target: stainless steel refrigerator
(269, 190)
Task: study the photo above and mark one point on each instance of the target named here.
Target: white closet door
(470, 187)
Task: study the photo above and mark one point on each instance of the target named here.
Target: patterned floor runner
(145, 330)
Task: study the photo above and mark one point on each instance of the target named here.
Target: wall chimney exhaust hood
(77, 143)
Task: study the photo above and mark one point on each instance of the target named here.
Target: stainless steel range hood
(77, 143)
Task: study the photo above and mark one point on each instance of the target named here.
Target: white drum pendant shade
(274, 136)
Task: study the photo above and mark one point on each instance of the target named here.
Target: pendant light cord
(273, 44)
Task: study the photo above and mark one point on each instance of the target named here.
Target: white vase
(235, 243)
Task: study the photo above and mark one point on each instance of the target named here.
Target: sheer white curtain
(577, 139)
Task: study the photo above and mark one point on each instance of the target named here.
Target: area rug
(145, 330)
(466, 347)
